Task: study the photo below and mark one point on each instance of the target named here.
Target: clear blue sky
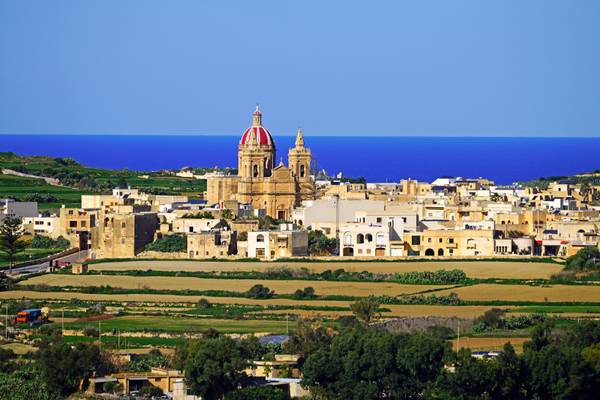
(447, 67)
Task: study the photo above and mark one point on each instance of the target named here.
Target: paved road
(32, 269)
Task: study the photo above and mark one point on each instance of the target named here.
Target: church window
(260, 238)
(302, 172)
(255, 171)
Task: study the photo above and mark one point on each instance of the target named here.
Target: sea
(376, 158)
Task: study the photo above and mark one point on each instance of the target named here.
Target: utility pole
(6, 322)
(458, 341)
(63, 322)
(287, 323)
(100, 334)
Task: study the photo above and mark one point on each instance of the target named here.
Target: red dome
(263, 136)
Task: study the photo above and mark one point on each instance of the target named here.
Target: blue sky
(419, 68)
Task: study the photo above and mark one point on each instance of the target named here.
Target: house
(285, 242)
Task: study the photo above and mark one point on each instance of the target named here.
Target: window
(348, 239)
(404, 219)
(260, 238)
(360, 238)
(123, 225)
(72, 224)
(191, 229)
(450, 240)
(441, 240)
(369, 237)
(415, 240)
(378, 220)
(255, 171)
(428, 240)
(380, 239)
(302, 172)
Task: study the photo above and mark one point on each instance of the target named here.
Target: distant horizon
(311, 135)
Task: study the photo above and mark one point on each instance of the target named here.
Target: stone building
(277, 189)
(123, 235)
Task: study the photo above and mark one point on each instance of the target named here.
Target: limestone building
(261, 182)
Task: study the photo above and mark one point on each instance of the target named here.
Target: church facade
(260, 181)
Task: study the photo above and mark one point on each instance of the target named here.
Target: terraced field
(238, 285)
(551, 293)
(473, 269)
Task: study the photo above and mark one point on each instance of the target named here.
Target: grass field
(184, 325)
(552, 293)
(473, 269)
(240, 285)
(19, 187)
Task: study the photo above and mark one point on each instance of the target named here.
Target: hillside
(77, 179)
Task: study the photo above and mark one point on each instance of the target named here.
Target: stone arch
(429, 252)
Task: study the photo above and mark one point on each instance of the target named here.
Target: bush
(90, 331)
(203, 303)
(258, 393)
(586, 259)
(169, 244)
(45, 242)
(151, 391)
(306, 293)
(259, 292)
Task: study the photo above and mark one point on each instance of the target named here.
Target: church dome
(262, 135)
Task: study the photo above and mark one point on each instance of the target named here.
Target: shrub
(306, 293)
(259, 292)
(169, 244)
(90, 331)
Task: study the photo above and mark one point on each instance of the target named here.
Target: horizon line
(514, 136)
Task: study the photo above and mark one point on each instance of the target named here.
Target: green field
(183, 324)
(20, 187)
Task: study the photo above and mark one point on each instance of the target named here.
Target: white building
(45, 226)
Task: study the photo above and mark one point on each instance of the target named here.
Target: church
(261, 182)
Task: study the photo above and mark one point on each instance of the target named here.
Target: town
(273, 267)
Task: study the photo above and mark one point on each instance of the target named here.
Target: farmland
(151, 298)
(473, 269)
(359, 289)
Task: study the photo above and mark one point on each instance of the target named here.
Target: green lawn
(559, 309)
(183, 324)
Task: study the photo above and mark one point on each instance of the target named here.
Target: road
(32, 269)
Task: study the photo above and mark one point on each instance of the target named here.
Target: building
(76, 224)
(261, 182)
(123, 235)
(286, 242)
(214, 243)
(45, 226)
(10, 208)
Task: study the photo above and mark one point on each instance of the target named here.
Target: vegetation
(10, 237)
(366, 309)
(585, 260)
(168, 244)
(45, 242)
(259, 292)
(321, 245)
(306, 293)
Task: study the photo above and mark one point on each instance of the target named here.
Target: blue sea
(379, 159)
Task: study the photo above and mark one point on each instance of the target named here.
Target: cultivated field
(238, 285)
(551, 293)
(473, 269)
(489, 344)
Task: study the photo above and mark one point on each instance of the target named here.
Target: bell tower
(299, 160)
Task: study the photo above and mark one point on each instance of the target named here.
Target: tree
(10, 234)
(366, 363)
(169, 244)
(259, 292)
(24, 383)
(306, 293)
(319, 244)
(65, 365)
(151, 391)
(214, 367)
(258, 393)
(586, 259)
(309, 337)
(365, 309)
